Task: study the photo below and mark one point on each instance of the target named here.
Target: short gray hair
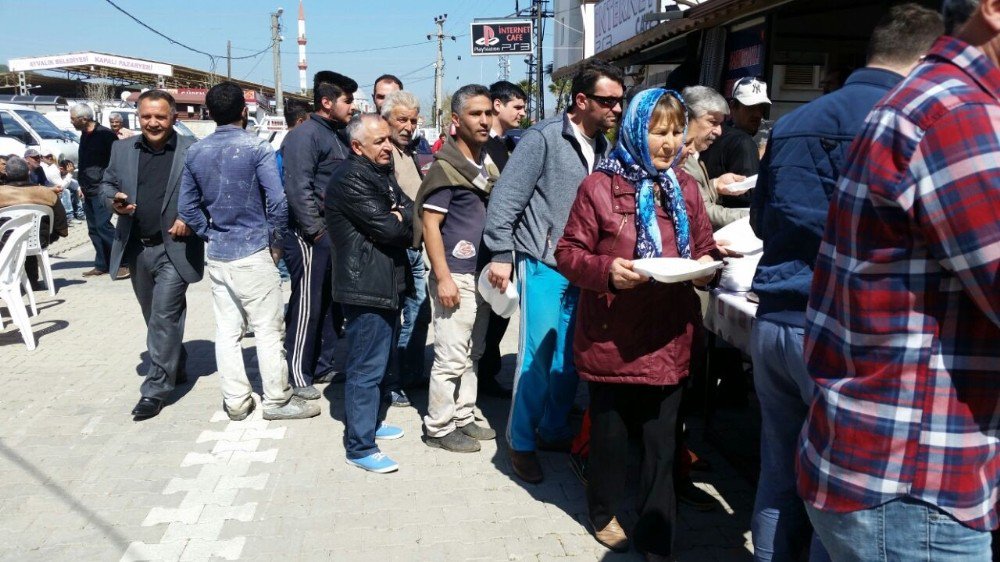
(356, 126)
(956, 13)
(17, 169)
(399, 98)
(702, 99)
(82, 110)
(465, 93)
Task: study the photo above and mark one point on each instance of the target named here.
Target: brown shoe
(123, 273)
(612, 536)
(94, 272)
(526, 466)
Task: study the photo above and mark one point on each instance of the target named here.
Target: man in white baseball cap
(735, 151)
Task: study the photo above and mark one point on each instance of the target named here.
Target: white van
(34, 130)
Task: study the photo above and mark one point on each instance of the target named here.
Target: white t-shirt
(587, 144)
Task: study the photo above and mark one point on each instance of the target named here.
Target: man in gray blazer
(162, 254)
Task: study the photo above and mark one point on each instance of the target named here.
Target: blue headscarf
(631, 160)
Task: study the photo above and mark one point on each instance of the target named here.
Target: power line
(178, 43)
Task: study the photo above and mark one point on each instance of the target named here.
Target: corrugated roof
(706, 15)
(184, 77)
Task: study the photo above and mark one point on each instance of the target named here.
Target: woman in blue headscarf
(633, 336)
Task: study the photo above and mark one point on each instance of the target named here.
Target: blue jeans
(416, 319)
(545, 379)
(779, 524)
(102, 234)
(902, 529)
(66, 198)
(370, 333)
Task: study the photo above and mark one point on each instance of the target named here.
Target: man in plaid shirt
(900, 456)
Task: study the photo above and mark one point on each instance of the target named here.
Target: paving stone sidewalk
(80, 481)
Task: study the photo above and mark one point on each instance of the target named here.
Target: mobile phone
(124, 202)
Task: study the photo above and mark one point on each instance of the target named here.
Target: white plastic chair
(12, 256)
(7, 225)
(35, 248)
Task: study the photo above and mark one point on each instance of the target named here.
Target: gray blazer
(186, 254)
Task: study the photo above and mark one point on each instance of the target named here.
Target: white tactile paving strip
(193, 528)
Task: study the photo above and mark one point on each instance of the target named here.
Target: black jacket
(370, 265)
(309, 154)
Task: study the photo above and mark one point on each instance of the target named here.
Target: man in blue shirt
(798, 176)
(231, 196)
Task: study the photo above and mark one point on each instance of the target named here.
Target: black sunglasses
(607, 102)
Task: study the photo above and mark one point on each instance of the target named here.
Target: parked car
(424, 156)
(34, 130)
(10, 145)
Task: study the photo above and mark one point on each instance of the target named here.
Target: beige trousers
(459, 337)
(247, 292)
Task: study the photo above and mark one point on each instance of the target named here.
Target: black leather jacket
(370, 266)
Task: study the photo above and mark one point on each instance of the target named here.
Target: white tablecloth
(730, 316)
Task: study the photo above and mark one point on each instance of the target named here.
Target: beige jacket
(718, 215)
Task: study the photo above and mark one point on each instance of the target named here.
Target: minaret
(302, 49)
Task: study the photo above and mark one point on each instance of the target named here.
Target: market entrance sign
(501, 37)
(90, 59)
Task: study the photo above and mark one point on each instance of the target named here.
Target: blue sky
(64, 26)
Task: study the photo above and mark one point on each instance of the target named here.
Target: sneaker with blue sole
(388, 432)
(376, 462)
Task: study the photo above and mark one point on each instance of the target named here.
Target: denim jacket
(231, 194)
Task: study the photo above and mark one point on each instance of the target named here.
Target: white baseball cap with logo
(750, 91)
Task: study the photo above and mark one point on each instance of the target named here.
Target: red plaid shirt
(903, 336)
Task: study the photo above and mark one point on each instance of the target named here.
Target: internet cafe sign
(501, 37)
(619, 20)
(90, 59)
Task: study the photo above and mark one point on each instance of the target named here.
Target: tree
(98, 92)
(446, 112)
(560, 88)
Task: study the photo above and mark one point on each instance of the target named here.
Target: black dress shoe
(147, 408)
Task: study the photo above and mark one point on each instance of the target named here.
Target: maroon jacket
(641, 335)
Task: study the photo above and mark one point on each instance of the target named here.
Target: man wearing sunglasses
(528, 209)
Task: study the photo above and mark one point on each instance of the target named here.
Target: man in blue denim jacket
(231, 196)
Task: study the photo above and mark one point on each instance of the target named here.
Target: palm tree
(560, 89)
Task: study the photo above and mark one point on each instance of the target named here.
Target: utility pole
(538, 10)
(229, 60)
(438, 111)
(279, 98)
(504, 64)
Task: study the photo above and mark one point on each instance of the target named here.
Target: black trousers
(161, 293)
(489, 364)
(312, 318)
(616, 411)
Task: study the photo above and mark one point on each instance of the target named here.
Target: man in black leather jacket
(370, 222)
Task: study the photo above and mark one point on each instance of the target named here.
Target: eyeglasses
(607, 102)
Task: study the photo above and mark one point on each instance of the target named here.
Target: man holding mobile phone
(140, 185)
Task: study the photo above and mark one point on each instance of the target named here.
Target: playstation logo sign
(489, 37)
(501, 37)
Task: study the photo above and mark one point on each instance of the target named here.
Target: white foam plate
(674, 270)
(740, 236)
(741, 187)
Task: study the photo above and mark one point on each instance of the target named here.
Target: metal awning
(33, 100)
(128, 71)
(706, 15)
